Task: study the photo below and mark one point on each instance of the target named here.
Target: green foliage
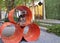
(5, 3)
(15, 18)
(53, 9)
(2, 4)
(54, 29)
(38, 23)
(19, 2)
(7, 20)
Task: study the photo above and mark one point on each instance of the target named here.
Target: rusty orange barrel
(13, 38)
(0, 31)
(28, 15)
(11, 16)
(31, 32)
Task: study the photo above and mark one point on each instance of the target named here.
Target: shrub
(54, 29)
(53, 9)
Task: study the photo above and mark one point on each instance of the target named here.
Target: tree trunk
(25, 2)
(9, 5)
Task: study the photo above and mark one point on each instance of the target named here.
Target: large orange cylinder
(16, 37)
(0, 32)
(28, 15)
(32, 32)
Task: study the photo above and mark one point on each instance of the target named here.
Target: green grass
(54, 29)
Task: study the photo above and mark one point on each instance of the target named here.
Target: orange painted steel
(33, 33)
(16, 37)
(0, 32)
(28, 16)
(10, 16)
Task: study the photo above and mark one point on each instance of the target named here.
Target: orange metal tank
(0, 32)
(16, 37)
(11, 15)
(31, 32)
(28, 15)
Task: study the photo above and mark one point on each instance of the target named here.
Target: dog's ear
(40, 3)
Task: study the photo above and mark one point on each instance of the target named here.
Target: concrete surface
(50, 21)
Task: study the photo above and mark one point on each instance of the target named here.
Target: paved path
(50, 21)
(45, 38)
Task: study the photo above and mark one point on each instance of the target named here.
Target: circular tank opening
(9, 30)
(26, 29)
